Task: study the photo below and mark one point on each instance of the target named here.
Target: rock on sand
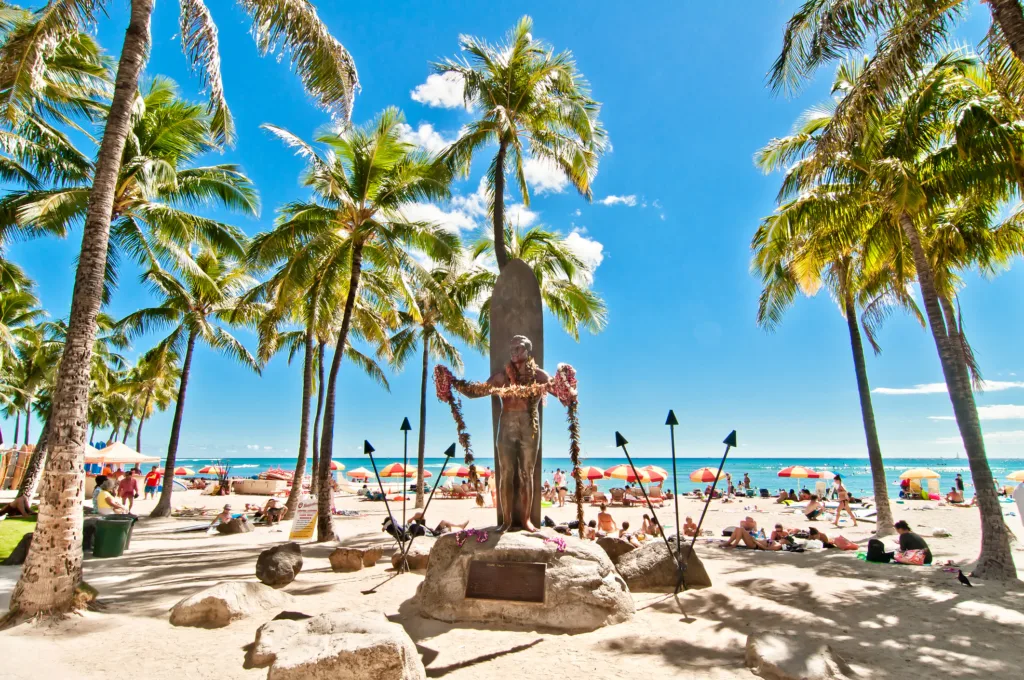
(223, 603)
(348, 645)
(651, 567)
(776, 657)
(582, 591)
(278, 566)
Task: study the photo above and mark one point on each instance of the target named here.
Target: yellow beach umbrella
(797, 471)
(704, 475)
(397, 470)
(359, 473)
(920, 473)
(184, 471)
(1017, 476)
(336, 466)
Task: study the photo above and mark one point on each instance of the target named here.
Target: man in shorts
(128, 490)
(152, 482)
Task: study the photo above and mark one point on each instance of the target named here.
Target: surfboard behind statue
(516, 309)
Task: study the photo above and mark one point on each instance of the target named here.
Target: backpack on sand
(876, 551)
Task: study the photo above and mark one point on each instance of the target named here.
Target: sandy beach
(886, 620)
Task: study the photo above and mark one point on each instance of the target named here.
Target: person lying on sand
(18, 507)
(742, 535)
(783, 497)
(814, 535)
(689, 527)
(779, 533)
(418, 526)
(749, 524)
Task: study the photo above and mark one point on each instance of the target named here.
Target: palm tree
(439, 309)
(152, 385)
(531, 102)
(361, 184)
(159, 190)
(565, 279)
(196, 307)
(330, 77)
(945, 141)
(905, 34)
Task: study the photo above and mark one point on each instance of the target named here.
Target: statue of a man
(518, 434)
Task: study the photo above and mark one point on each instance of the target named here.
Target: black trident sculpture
(729, 442)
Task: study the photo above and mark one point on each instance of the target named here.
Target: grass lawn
(11, 531)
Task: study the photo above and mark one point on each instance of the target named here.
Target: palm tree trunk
(995, 560)
(498, 224)
(142, 419)
(128, 427)
(1009, 16)
(28, 421)
(163, 506)
(316, 423)
(53, 567)
(307, 393)
(883, 520)
(422, 445)
(17, 427)
(325, 491)
(113, 434)
(35, 465)
(92, 434)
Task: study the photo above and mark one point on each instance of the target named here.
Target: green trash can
(111, 536)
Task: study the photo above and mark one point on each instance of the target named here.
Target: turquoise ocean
(763, 472)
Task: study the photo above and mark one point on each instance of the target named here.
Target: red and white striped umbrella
(704, 475)
(625, 472)
(359, 473)
(397, 470)
(591, 472)
(797, 471)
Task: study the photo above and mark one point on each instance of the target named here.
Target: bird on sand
(963, 579)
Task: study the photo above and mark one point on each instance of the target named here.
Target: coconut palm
(197, 307)
(531, 103)
(906, 35)
(440, 312)
(564, 278)
(152, 385)
(53, 567)
(361, 183)
(159, 190)
(944, 142)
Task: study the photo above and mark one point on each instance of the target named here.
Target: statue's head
(520, 348)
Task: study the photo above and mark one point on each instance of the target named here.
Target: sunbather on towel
(741, 534)
(689, 527)
(443, 527)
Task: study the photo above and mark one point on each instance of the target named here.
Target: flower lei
(558, 541)
(463, 536)
(563, 386)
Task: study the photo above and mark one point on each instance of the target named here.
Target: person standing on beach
(960, 483)
(128, 490)
(151, 483)
(844, 500)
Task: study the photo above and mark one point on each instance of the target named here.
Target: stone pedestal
(582, 590)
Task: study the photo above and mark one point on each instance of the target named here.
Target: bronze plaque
(506, 581)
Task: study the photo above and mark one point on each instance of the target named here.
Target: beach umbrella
(798, 472)
(591, 472)
(336, 466)
(703, 475)
(920, 473)
(397, 470)
(184, 471)
(625, 472)
(659, 470)
(484, 473)
(1017, 476)
(460, 471)
(359, 473)
(426, 474)
(212, 470)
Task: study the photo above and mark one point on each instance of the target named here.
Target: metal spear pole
(368, 450)
(672, 422)
(621, 442)
(729, 442)
(405, 463)
(448, 455)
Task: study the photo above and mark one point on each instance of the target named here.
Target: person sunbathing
(779, 533)
(443, 527)
(783, 496)
(605, 522)
(591, 531)
(654, 528)
(689, 527)
(814, 535)
(18, 507)
(626, 535)
(740, 534)
(954, 496)
(271, 513)
(749, 524)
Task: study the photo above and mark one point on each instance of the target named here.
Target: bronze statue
(518, 443)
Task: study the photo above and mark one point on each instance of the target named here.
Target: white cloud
(442, 91)
(454, 221)
(544, 176)
(519, 215)
(619, 200)
(1010, 436)
(577, 212)
(475, 204)
(589, 250)
(425, 137)
(940, 388)
(253, 447)
(997, 412)
(268, 448)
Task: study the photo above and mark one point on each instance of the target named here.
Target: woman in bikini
(844, 501)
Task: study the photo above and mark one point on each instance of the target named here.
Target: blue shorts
(150, 489)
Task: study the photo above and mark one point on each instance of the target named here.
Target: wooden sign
(516, 309)
(506, 581)
(305, 519)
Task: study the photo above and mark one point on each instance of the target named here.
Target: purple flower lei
(463, 536)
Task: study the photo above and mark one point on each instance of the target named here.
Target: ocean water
(856, 472)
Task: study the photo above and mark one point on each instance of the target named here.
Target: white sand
(890, 621)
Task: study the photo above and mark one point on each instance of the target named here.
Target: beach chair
(618, 496)
(599, 498)
(820, 488)
(765, 493)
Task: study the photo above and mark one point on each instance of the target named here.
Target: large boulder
(278, 566)
(777, 657)
(346, 559)
(336, 645)
(582, 592)
(652, 567)
(418, 556)
(615, 547)
(223, 603)
(238, 525)
(372, 555)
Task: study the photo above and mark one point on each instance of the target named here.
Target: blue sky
(685, 105)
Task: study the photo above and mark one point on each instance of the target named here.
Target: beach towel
(915, 557)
